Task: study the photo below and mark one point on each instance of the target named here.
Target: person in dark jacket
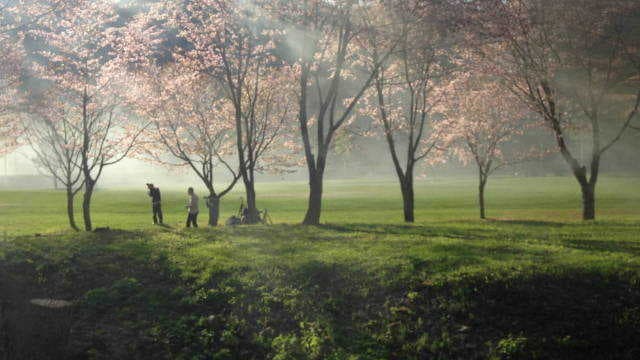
(156, 203)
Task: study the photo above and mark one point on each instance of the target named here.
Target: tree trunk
(579, 172)
(252, 210)
(407, 199)
(588, 189)
(86, 204)
(481, 186)
(70, 213)
(213, 203)
(314, 207)
(588, 201)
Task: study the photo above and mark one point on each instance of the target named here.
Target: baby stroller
(242, 216)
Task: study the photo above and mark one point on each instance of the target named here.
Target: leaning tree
(567, 63)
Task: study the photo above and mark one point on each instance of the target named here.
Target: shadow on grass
(533, 223)
(555, 224)
(412, 230)
(331, 231)
(131, 301)
(603, 246)
(573, 315)
(68, 267)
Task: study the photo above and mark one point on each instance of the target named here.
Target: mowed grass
(533, 281)
(532, 222)
(554, 199)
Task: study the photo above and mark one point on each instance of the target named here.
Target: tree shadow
(69, 267)
(572, 315)
(413, 230)
(629, 247)
(533, 223)
(132, 301)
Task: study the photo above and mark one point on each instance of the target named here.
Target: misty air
(276, 179)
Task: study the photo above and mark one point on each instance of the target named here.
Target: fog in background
(368, 159)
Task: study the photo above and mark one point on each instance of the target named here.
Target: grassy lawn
(532, 282)
(352, 201)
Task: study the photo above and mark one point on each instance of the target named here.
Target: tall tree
(326, 38)
(78, 58)
(566, 62)
(234, 47)
(409, 86)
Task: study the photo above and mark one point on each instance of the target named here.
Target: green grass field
(353, 201)
(532, 282)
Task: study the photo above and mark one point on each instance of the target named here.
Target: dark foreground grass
(358, 287)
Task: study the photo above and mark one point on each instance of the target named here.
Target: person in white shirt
(192, 207)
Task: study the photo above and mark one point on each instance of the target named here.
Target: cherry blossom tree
(409, 89)
(192, 123)
(10, 60)
(15, 18)
(326, 39)
(267, 127)
(79, 60)
(228, 43)
(629, 32)
(52, 130)
(488, 118)
(566, 62)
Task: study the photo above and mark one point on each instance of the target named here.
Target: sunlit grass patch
(363, 284)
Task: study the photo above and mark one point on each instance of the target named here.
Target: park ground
(531, 282)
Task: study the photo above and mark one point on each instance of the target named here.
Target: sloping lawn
(358, 287)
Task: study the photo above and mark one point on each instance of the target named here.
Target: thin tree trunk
(70, 212)
(312, 217)
(86, 204)
(250, 190)
(407, 199)
(213, 203)
(481, 186)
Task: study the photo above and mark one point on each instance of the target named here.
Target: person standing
(192, 206)
(156, 203)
